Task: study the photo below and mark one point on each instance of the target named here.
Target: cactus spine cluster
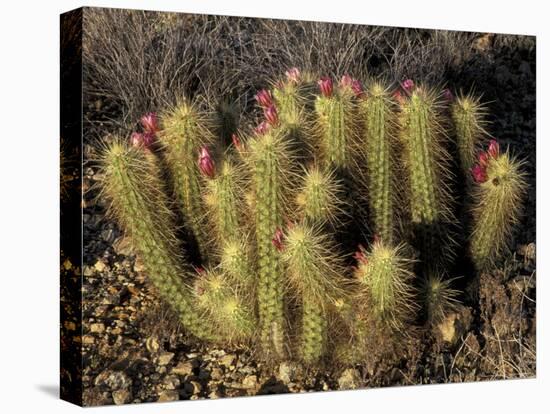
(267, 214)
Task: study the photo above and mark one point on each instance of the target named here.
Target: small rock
(168, 395)
(250, 382)
(88, 271)
(152, 344)
(121, 396)
(287, 372)
(138, 265)
(171, 382)
(108, 235)
(184, 368)
(349, 380)
(228, 361)
(455, 325)
(165, 358)
(88, 339)
(197, 387)
(216, 374)
(97, 328)
(99, 266)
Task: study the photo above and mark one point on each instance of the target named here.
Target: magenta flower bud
(408, 85)
(262, 128)
(360, 256)
(325, 84)
(236, 141)
(150, 122)
(398, 96)
(346, 81)
(494, 149)
(277, 239)
(483, 159)
(263, 97)
(448, 95)
(293, 75)
(479, 173)
(206, 164)
(142, 139)
(271, 115)
(357, 88)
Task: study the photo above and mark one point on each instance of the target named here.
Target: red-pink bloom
(494, 149)
(271, 115)
(263, 97)
(262, 128)
(277, 239)
(357, 88)
(142, 139)
(360, 256)
(448, 95)
(206, 164)
(325, 84)
(346, 81)
(398, 96)
(293, 75)
(483, 159)
(150, 122)
(236, 141)
(408, 85)
(479, 173)
(200, 270)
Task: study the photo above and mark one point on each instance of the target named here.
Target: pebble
(184, 368)
(250, 382)
(165, 358)
(121, 396)
(97, 328)
(349, 380)
(228, 361)
(168, 395)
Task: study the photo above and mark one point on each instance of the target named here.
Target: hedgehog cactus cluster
(261, 261)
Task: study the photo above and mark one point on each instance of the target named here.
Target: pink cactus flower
(200, 270)
(236, 141)
(262, 128)
(325, 84)
(206, 164)
(448, 95)
(150, 122)
(408, 85)
(398, 96)
(346, 81)
(360, 256)
(271, 115)
(293, 75)
(494, 149)
(483, 159)
(357, 88)
(142, 139)
(264, 99)
(277, 239)
(479, 173)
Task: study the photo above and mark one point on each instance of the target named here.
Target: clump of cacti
(267, 213)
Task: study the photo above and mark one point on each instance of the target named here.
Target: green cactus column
(385, 274)
(184, 133)
(269, 163)
(468, 117)
(316, 274)
(379, 146)
(336, 128)
(497, 203)
(427, 169)
(133, 185)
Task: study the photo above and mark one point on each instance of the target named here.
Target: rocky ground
(134, 352)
